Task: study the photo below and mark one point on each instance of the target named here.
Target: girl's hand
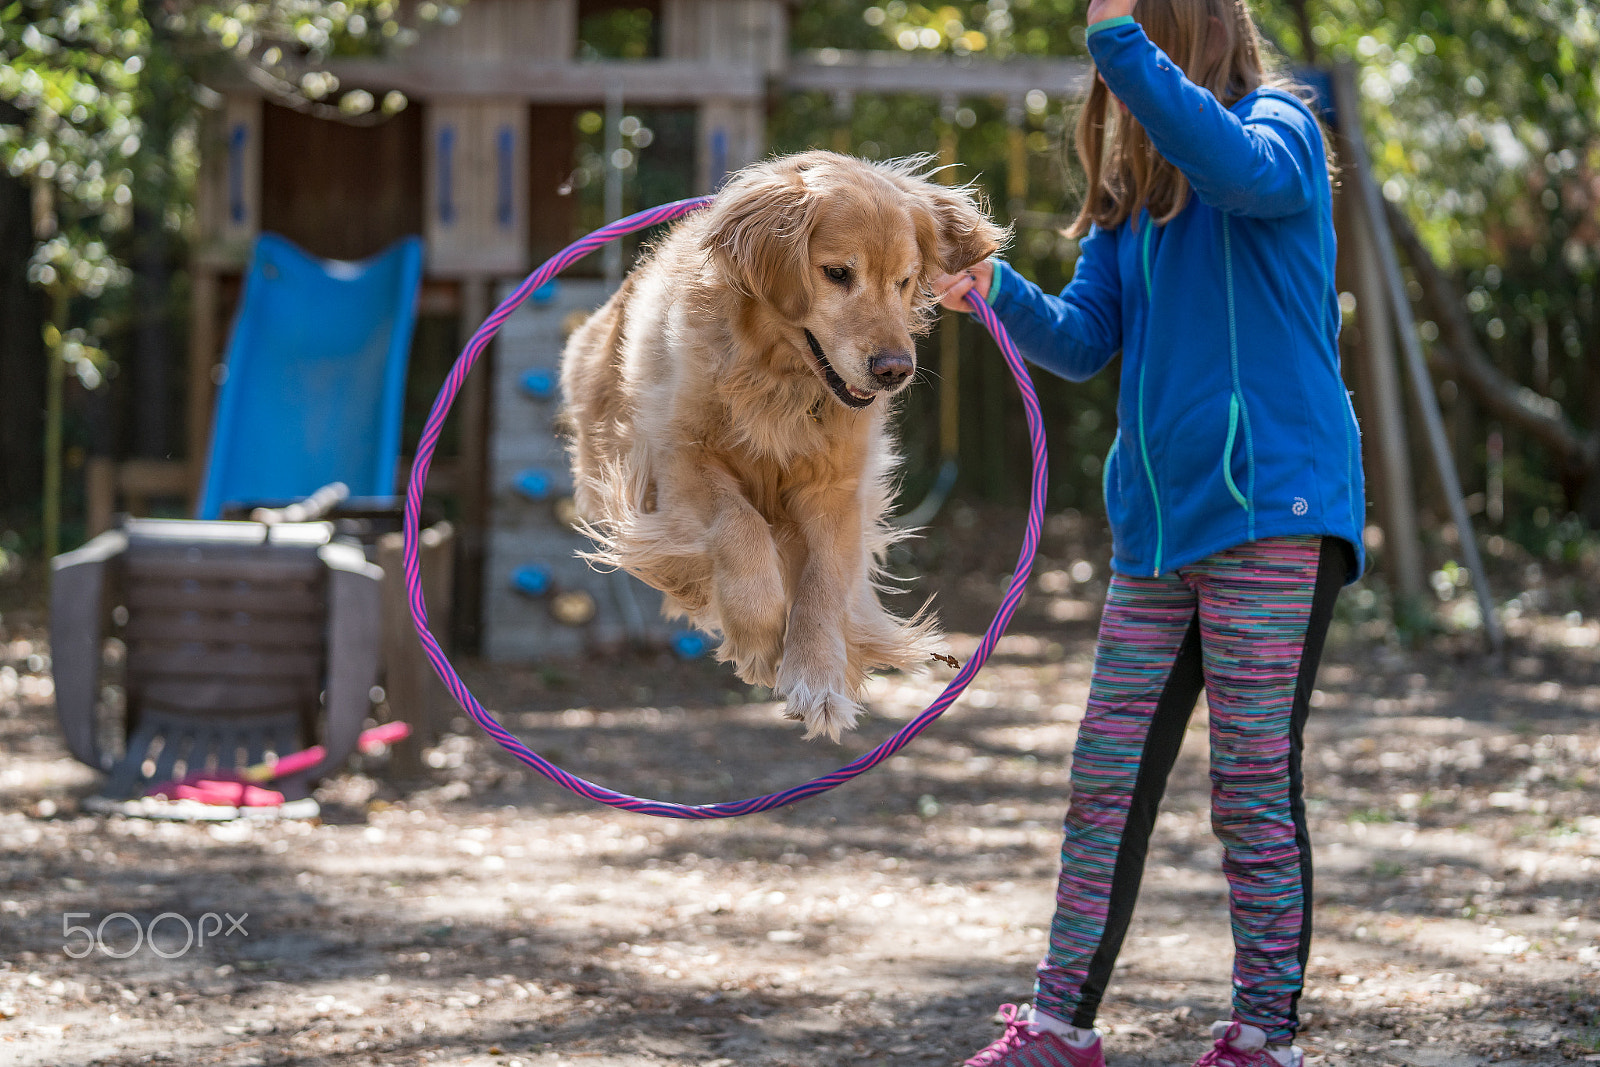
(952, 289)
(1100, 10)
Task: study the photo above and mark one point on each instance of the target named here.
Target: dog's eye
(904, 282)
(838, 274)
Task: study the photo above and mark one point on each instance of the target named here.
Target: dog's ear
(956, 232)
(759, 232)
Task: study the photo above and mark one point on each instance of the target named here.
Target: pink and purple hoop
(726, 809)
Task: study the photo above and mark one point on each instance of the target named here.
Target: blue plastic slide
(314, 382)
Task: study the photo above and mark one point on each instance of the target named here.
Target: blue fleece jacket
(1234, 423)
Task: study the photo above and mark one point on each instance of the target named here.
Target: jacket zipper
(1237, 406)
(1144, 452)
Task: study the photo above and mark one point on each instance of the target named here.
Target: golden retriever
(729, 410)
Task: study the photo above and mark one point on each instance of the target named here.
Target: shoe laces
(1224, 1054)
(1016, 1034)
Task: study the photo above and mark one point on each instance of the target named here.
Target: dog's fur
(714, 454)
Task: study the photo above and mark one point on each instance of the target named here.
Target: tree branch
(1539, 416)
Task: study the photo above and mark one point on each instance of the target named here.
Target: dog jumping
(729, 405)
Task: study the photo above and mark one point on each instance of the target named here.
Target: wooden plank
(472, 487)
(643, 81)
(153, 476)
(220, 697)
(228, 194)
(100, 494)
(502, 30)
(205, 347)
(271, 631)
(554, 130)
(475, 187)
(832, 71)
(439, 296)
(216, 567)
(339, 190)
(412, 690)
(146, 664)
(729, 135)
(279, 601)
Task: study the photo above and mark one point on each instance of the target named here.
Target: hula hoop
(665, 809)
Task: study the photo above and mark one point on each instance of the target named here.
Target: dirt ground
(481, 916)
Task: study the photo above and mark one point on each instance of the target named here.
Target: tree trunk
(153, 351)
(1576, 452)
(1308, 44)
(22, 355)
(1585, 497)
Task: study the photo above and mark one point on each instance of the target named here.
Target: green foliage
(1483, 120)
(1484, 125)
(71, 70)
(621, 33)
(84, 77)
(999, 28)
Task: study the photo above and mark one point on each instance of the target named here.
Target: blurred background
(146, 144)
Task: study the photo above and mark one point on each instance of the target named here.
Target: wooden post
(1397, 498)
(55, 385)
(1386, 433)
(203, 346)
(473, 464)
(100, 494)
(1360, 169)
(412, 689)
(844, 104)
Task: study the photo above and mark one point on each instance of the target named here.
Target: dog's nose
(889, 369)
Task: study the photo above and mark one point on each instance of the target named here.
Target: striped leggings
(1247, 624)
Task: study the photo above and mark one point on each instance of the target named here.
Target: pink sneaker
(1242, 1045)
(1019, 1046)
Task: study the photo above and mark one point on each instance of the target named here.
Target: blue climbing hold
(545, 293)
(534, 579)
(539, 384)
(535, 484)
(690, 644)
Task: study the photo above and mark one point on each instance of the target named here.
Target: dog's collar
(831, 377)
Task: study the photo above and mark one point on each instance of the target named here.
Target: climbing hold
(539, 383)
(690, 644)
(535, 484)
(566, 511)
(545, 293)
(534, 579)
(573, 608)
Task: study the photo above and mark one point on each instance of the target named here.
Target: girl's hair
(1123, 169)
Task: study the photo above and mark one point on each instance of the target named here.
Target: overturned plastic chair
(242, 639)
(249, 638)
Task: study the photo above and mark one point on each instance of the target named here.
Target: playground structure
(481, 165)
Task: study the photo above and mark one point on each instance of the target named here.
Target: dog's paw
(754, 659)
(823, 710)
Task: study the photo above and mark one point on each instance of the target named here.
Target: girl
(1234, 493)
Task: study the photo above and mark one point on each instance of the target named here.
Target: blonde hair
(1124, 171)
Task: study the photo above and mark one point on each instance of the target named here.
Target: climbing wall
(542, 601)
